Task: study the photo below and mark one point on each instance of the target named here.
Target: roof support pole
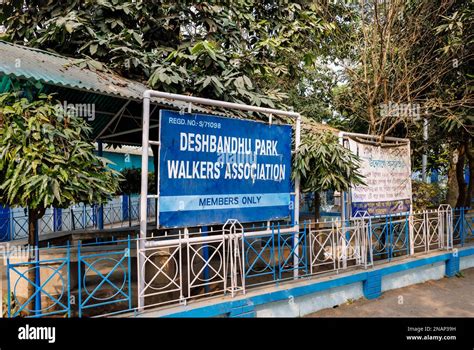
(100, 211)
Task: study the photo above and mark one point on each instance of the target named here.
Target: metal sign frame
(346, 196)
(230, 187)
(146, 142)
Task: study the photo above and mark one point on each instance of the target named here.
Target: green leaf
(93, 49)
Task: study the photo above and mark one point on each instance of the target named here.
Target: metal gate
(51, 287)
(104, 279)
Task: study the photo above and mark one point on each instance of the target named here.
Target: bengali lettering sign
(387, 172)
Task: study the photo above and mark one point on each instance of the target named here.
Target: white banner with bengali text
(387, 172)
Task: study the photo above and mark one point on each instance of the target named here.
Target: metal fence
(104, 277)
(463, 223)
(115, 214)
(93, 279)
(83, 280)
(50, 284)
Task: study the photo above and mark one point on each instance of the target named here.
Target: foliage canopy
(46, 158)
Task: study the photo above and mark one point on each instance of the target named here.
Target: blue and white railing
(114, 214)
(93, 279)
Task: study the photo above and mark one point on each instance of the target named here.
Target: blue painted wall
(123, 161)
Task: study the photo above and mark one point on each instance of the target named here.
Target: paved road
(448, 297)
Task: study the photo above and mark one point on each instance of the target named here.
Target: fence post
(84, 223)
(186, 239)
(12, 226)
(450, 215)
(407, 233)
(280, 253)
(205, 253)
(411, 222)
(129, 252)
(140, 278)
(37, 275)
(4, 223)
(342, 235)
(73, 221)
(391, 231)
(79, 279)
(369, 243)
(9, 296)
(303, 254)
(68, 279)
(130, 211)
(57, 219)
(101, 207)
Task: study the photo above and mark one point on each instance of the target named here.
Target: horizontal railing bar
(215, 238)
(218, 103)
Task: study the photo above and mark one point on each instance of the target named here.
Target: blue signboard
(213, 169)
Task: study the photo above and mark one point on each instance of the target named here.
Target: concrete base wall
(301, 306)
(297, 307)
(466, 262)
(413, 276)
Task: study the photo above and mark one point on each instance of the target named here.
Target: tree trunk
(462, 186)
(453, 190)
(372, 120)
(316, 205)
(470, 189)
(130, 212)
(33, 216)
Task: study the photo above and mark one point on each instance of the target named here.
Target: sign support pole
(143, 198)
(297, 204)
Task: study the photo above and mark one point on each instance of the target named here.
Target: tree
(264, 53)
(243, 52)
(324, 164)
(456, 127)
(413, 60)
(46, 160)
(401, 62)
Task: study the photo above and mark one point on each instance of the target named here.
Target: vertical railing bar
(79, 284)
(180, 267)
(188, 260)
(68, 279)
(129, 247)
(9, 296)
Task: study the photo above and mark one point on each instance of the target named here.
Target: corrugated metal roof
(50, 68)
(53, 69)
